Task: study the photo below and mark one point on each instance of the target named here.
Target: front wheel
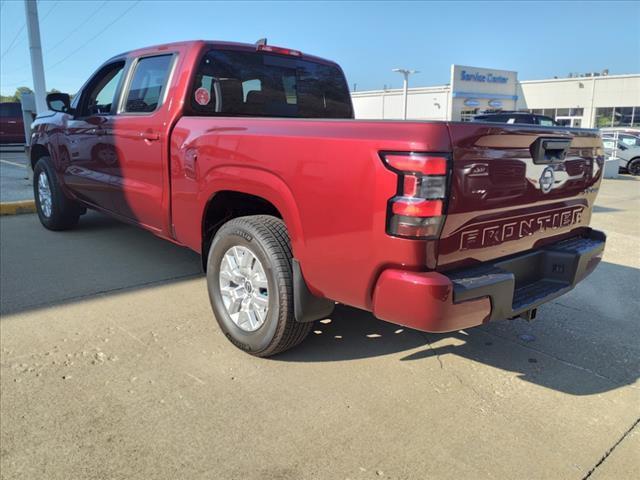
(250, 283)
(634, 167)
(55, 210)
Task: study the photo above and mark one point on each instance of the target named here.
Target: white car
(626, 148)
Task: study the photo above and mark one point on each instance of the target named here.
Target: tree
(17, 96)
(20, 91)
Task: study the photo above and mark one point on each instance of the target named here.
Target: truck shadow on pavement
(583, 343)
(101, 256)
(572, 347)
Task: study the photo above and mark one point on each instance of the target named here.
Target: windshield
(230, 82)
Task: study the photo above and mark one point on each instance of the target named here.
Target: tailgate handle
(549, 150)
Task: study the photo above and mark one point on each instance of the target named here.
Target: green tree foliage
(17, 96)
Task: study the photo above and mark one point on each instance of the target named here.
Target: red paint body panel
(495, 188)
(328, 182)
(325, 177)
(424, 301)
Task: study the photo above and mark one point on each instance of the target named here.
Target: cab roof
(252, 47)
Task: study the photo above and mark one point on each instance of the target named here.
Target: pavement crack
(610, 450)
(437, 355)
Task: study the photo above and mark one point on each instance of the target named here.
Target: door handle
(151, 136)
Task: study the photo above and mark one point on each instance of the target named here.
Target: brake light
(417, 209)
(283, 51)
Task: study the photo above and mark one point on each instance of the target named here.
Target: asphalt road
(111, 366)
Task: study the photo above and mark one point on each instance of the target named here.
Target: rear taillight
(417, 209)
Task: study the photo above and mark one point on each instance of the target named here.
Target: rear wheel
(250, 283)
(55, 210)
(634, 167)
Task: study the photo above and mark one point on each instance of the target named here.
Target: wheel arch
(37, 152)
(634, 160)
(226, 205)
(267, 192)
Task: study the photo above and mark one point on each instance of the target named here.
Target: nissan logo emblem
(547, 180)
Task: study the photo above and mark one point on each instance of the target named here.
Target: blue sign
(471, 102)
(495, 103)
(480, 77)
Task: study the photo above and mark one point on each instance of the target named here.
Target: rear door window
(148, 84)
(230, 82)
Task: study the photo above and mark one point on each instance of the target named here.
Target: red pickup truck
(249, 155)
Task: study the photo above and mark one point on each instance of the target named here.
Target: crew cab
(250, 155)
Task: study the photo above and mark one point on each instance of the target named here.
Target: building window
(467, 115)
(636, 117)
(604, 117)
(576, 112)
(623, 116)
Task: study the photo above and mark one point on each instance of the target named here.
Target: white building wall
(422, 104)
(435, 103)
(588, 93)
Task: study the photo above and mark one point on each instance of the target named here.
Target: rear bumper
(436, 302)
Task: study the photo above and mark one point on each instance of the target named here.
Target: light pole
(405, 73)
(37, 68)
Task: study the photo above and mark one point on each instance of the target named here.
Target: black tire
(267, 239)
(64, 212)
(633, 167)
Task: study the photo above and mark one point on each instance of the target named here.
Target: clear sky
(537, 39)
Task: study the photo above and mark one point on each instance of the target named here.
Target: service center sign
(483, 80)
(481, 77)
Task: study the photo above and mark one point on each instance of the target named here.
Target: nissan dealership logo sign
(482, 78)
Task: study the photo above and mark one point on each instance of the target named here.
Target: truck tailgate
(516, 188)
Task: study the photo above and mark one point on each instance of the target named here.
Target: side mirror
(59, 102)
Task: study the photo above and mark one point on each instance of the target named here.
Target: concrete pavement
(113, 367)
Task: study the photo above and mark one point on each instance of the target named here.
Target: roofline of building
(440, 88)
(581, 79)
(399, 91)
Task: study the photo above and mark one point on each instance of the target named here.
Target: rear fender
(260, 183)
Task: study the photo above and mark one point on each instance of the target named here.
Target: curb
(17, 208)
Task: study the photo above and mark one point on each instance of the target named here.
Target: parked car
(11, 123)
(516, 118)
(629, 139)
(626, 130)
(626, 148)
(250, 156)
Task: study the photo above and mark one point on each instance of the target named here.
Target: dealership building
(588, 101)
